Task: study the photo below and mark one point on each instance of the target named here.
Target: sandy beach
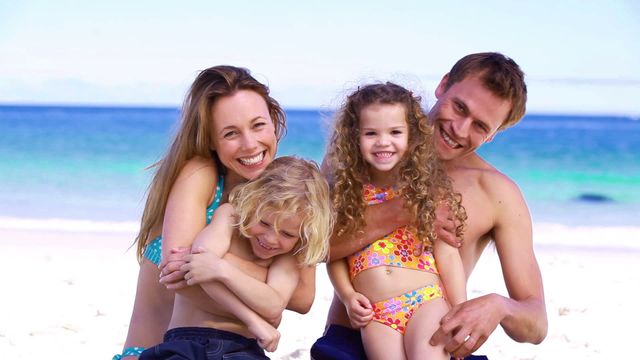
(68, 294)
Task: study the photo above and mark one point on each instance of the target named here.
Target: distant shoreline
(176, 107)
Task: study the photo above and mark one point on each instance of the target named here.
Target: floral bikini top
(394, 249)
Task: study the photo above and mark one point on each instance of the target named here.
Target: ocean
(83, 168)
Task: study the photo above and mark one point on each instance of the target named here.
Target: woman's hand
(170, 274)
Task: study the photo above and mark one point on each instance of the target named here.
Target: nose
(269, 236)
(249, 141)
(461, 127)
(382, 140)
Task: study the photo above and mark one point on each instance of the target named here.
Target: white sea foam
(73, 225)
(596, 237)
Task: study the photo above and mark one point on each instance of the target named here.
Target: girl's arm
(451, 271)
(358, 306)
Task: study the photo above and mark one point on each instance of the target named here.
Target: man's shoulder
(487, 178)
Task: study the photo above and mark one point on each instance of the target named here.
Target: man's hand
(359, 310)
(445, 226)
(468, 325)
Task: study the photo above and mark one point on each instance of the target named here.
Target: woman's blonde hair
(194, 137)
(422, 181)
(289, 186)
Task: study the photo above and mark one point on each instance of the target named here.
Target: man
(482, 94)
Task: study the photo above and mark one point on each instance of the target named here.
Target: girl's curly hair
(422, 182)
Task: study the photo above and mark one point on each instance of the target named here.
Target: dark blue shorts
(204, 344)
(343, 343)
(339, 343)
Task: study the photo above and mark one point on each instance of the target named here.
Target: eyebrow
(465, 108)
(233, 126)
(391, 128)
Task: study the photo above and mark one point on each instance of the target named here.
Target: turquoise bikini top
(153, 250)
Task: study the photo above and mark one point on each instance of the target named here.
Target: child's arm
(358, 306)
(451, 271)
(267, 299)
(304, 294)
(216, 239)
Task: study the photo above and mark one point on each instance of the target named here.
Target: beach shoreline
(70, 293)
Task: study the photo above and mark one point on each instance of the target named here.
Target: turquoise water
(89, 163)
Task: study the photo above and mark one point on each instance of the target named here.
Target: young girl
(280, 221)
(394, 280)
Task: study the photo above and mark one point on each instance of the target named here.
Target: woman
(228, 134)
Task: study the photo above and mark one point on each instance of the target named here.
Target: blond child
(280, 221)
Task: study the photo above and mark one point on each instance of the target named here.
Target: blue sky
(579, 56)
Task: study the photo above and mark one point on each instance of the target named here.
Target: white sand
(68, 294)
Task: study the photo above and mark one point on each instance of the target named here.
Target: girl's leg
(382, 342)
(424, 322)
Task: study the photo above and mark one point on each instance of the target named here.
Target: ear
(441, 89)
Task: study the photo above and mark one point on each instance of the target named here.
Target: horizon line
(132, 106)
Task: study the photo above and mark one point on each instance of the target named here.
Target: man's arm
(384, 218)
(523, 314)
(380, 220)
(526, 315)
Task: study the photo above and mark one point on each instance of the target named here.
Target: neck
(471, 160)
(383, 178)
(231, 180)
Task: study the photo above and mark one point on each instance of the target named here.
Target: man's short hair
(500, 75)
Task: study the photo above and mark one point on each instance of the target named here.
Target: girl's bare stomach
(383, 282)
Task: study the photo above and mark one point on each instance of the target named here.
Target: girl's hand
(203, 266)
(359, 310)
(170, 274)
(266, 335)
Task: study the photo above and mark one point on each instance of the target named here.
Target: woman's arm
(185, 212)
